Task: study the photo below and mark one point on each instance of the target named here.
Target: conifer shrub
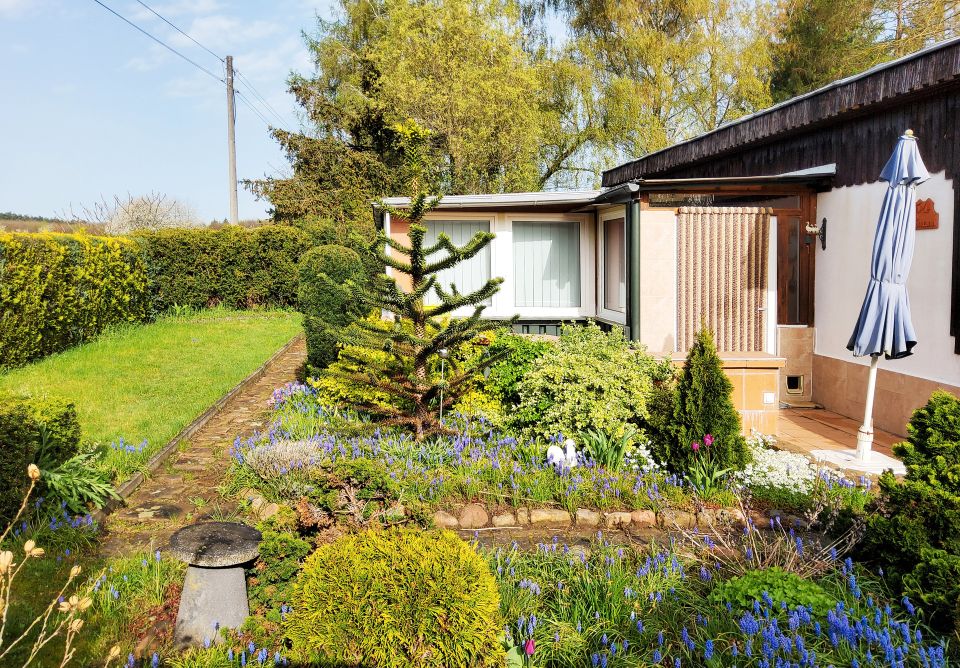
(913, 530)
(328, 275)
(702, 405)
(399, 597)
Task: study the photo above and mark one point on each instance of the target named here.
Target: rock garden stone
(523, 516)
(587, 518)
(505, 520)
(445, 520)
(549, 517)
(215, 588)
(473, 516)
(643, 519)
(671, 518)
(617, 520)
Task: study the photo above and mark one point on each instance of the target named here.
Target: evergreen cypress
(702, 406)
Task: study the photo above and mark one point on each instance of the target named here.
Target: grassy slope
(148, 382)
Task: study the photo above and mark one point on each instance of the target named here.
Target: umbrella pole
(865, 433)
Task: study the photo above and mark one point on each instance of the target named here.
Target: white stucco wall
(844, 268)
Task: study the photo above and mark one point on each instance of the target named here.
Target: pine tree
(702, 406)
(398, 356)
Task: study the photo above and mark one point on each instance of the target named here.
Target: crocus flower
(708, 440)
(695, 445)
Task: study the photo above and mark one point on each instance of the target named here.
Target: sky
(91, 108)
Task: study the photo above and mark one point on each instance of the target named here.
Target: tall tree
(819, 41)
(910, 25)
(668, 69)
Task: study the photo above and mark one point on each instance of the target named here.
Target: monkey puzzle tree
(398, 355)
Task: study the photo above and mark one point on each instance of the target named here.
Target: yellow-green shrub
(58, 290)
(402, 597)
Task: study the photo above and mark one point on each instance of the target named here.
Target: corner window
(614, 265)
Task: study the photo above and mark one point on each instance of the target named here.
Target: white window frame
(502, 261)
(609, 214)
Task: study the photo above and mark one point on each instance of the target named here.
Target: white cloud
(12, 8)
(170, 10)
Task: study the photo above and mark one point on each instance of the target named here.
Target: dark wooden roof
(917, 75)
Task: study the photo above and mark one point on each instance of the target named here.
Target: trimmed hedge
(232, 266)
(26, 424)
(326, 299)
(58, 290)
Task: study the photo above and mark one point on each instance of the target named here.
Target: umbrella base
(874, 463)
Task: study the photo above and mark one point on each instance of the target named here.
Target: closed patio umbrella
(884, 326)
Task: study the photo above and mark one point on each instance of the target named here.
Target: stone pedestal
(215, 589)
(213, 598)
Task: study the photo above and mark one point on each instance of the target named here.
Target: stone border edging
(133, 482)
(474, 516)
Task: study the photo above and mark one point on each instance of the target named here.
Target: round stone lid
(215, 544)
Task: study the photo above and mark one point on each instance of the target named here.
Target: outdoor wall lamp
(818, 231)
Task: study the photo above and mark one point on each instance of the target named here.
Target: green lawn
(148, 382)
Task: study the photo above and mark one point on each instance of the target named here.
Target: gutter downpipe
(633, 268)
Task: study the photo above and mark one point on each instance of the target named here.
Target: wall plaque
(927, 216)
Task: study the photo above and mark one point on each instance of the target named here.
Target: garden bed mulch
(184, 489)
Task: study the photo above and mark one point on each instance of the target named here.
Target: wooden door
(795, 263)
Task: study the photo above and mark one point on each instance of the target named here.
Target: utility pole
(232, 141)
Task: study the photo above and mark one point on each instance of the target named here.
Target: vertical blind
(546, 264)
(722, 275)
(614, 266)
(469, 275)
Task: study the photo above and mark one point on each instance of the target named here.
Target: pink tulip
(695, 445)
(529, 647)
(708, 440)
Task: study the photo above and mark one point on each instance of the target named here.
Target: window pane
(546, 264)
(614, 266)
(468, 275)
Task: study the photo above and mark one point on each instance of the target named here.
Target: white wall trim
(770, 334)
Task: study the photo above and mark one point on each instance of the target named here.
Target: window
(546, 264)
(614, 266)
(469, 275)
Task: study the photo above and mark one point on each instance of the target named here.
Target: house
(761, 230)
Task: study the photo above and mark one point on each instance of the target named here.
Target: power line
(246, 101)
(175, 27)
(262, 99)
(257, 95)
(160, 42)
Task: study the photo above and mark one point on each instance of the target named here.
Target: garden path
(184, 489)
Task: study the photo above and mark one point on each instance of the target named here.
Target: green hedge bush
(401, 597)
(517, 355)
(58, 290)
(590, 379)
(326, 299)
(32, 429)
(232, 266)
(913, 531)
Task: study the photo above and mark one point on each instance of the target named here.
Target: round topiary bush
(402, 597)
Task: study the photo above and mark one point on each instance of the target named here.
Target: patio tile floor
(807, 429)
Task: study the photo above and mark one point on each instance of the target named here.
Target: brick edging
(126, 489)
